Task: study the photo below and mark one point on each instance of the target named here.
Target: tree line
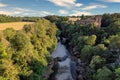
(6, 18)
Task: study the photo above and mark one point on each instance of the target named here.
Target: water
(64, 69)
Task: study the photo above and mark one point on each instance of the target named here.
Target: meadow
(14, 25)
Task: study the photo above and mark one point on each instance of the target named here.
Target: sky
(58, 7)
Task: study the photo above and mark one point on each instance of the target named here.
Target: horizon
(41, 8)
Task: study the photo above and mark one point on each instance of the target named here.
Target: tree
(9, 33)
(9, 71)
(91, 40)
(117, 73)
(86, 53)
(82, 16)
(100, 49)
(103, 74)
(115, 42)
(106, 20)
(97, 62)
(20, 41)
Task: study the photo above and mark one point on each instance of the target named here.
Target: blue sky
(58, 7)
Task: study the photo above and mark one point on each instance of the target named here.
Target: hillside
(24, 54)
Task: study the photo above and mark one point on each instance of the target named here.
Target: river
(66, 66)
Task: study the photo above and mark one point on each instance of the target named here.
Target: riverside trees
(24, 54)
(98, 48)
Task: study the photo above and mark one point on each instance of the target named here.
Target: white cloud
(94, 6)
(2, 5)
(63, 12)
(22, 9)
(79, 13)
(115, 1)
(45, 13)
(66, 3)
(5, 12)
(17, 12)
(9, 12)
(78, 4)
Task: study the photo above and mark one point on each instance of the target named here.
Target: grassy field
(14, 25)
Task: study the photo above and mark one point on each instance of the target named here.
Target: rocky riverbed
(65, 68)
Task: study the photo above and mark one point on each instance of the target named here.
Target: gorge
(65, 68)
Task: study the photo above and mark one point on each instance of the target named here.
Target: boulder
(80, 77)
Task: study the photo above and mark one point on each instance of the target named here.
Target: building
(96, 21)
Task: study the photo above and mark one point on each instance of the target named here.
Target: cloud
(94, 6)
(66, 3)
(9, 12)
(22, 9)
(15, 11)
(79, 13)
(5, 12)
(45, 13)
(3, 5)
(78, 4)
(63, 12)
(19, 13)
(115, 1)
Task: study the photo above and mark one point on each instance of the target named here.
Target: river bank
(82, 70)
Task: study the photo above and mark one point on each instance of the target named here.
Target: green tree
(86, 53)
(103, 74)
(82, 16)
(97, 62)
(91, 40)
(114, 42)
(9, 33)
(117, 73)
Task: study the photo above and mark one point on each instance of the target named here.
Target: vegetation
(6, 18)
(97, 47)
(24, 54)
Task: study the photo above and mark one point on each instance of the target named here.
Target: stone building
(96, 21)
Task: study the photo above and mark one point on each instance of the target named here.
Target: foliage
(114, 42)
(9, 33)
(86, 53)
(96, 46)
(6, 18)
(97, 62)
(117, 73)
(24, 54)
(103, 74)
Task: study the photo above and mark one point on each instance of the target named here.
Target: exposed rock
(64, 40)
(76, 54)
(58, 59)
(58, 38)
(79, 61)
(75, 49)
(48, 71)
(80, 77)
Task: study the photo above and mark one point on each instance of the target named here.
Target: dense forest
(98, 48)
(24, 54)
